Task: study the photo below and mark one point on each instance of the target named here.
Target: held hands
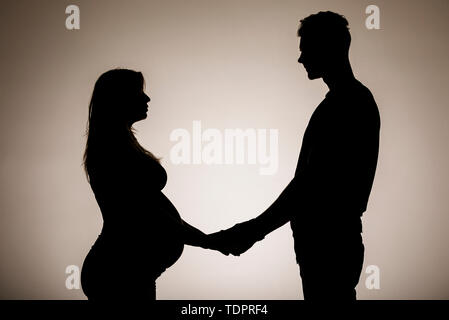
(235, 240)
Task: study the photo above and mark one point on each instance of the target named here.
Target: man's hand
(235, 240)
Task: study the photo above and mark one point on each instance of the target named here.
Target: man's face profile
(312, 58)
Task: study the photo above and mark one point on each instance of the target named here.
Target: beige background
(230, 64)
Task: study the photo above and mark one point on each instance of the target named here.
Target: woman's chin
(141, 117)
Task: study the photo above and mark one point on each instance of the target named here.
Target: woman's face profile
(137, 106)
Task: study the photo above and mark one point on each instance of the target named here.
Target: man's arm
(279, 213)
(243, 236)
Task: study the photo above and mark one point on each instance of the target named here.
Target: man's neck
(339, 76)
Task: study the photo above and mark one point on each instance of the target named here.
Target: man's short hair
(328, 29)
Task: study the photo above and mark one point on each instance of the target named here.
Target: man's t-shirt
(337, 163)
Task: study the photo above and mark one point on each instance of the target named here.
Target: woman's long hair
(107, 124)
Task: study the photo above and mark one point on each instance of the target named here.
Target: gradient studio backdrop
(229, 64)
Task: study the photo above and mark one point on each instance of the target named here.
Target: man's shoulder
(362, 92)
(353, 103)
(354, 91)
(358, 98)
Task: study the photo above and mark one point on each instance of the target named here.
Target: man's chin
(313, 76)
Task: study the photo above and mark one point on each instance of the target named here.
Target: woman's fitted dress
(142, 230)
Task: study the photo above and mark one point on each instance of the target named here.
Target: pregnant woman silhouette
(143, 234)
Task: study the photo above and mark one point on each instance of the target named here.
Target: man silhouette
(326, 198)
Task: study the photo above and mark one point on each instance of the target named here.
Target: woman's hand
(218, 241)
(236, 240)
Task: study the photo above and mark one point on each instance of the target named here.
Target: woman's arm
(190, 235)
(193, 236)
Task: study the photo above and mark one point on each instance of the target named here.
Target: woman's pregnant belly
(114, 260)
(133, 244)
(171, 232)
